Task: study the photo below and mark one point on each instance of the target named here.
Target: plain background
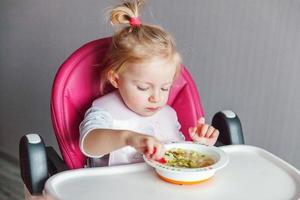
(244, 56)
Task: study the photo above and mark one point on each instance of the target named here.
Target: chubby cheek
(134, 100)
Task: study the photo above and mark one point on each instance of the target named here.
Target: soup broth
(182, 158)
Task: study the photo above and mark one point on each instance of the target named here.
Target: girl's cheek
(139, 98)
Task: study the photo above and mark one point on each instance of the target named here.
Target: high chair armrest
(230, 127)
(37, 162)
(33, 163)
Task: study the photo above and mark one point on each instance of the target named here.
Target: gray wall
(244, 56)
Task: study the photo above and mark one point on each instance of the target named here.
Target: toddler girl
(134, 119)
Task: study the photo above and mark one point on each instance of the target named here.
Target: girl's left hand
(204, 133)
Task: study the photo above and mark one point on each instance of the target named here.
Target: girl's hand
(146, 144)
(204, 133)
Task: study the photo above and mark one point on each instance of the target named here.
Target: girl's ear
(113, 78)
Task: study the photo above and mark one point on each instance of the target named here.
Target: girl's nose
(155, 97)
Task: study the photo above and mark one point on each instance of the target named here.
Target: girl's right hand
(146, 144)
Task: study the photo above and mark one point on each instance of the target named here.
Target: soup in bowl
(188, 162)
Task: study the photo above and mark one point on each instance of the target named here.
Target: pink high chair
(75, 86)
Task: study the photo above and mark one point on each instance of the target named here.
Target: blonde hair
(136, 43)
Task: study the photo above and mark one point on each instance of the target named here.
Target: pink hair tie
(135, 21)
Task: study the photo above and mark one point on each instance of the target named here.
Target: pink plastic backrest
(76, 85)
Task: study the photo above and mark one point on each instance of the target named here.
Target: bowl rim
(222, 162)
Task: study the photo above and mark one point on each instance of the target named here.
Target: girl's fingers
(215, 134)
(154, 149)
(204, 133)
(203, 130)
(192, 131)
(210, 131)
(159, 152)
(194, 134)
(201, 120)
(150, 148)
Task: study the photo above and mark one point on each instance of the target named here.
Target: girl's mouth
(153, 108)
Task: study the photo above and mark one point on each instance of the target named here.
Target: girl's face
(144, 87)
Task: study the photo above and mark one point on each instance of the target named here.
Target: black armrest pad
(33, 163)
(229, 125)
(55, 163)
(37, 162)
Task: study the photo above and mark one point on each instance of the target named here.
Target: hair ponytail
(123, 13)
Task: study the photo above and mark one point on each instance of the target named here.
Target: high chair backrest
(76, 85)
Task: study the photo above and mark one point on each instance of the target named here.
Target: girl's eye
(165, 89)
(142, 88)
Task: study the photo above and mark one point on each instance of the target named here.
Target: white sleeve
(95, 118)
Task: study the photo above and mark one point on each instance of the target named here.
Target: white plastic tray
(252, 173)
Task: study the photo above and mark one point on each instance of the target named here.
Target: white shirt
(110, 112)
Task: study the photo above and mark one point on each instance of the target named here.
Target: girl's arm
(103, 141)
